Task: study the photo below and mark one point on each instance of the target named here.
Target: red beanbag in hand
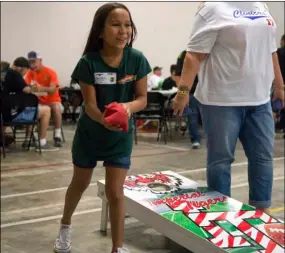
(115, 114)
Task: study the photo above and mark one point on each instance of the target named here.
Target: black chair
(71, 98)
(155, 110)
(168, 110)
(11, 106)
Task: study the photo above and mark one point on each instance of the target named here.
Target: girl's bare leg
(115, 178)
(79, 183)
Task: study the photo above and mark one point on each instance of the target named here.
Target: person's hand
(180, 101)
(279, 95)
(36, 83)
(108, 126)
(127, 109)
(35, 88)
(27, 89)
(112, 128)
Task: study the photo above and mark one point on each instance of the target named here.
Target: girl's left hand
(127, 109)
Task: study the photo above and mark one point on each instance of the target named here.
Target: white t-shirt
(240, 40)
(154, 82)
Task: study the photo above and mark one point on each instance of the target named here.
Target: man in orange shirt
(45, 80)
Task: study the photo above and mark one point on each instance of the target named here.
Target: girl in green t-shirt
(109, 70)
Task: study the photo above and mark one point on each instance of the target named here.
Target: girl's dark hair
(94, 42)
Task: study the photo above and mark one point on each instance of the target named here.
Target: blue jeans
(254, 126)
(27, 115)
(193, 120)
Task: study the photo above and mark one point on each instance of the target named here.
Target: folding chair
(13, 105)
(154, 110)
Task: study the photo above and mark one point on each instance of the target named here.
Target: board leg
(104, 216)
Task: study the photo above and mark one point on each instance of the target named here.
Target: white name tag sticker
(105, 78)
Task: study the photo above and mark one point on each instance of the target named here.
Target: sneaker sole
(62, 251)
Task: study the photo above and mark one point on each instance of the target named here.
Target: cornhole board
(199, 219)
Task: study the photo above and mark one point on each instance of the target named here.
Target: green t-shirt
(111, 84)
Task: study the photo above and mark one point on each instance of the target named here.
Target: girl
(110, 70)
(233, 44)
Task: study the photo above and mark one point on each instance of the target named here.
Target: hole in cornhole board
(159, 187)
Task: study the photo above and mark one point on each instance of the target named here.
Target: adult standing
(236, 72)
(193, 119)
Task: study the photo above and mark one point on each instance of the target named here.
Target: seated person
(155, 80)
(8, 139)
(170, 82)
(15, 83)
(45, 80)
(4, 68)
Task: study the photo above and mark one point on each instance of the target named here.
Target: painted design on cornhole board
(226, 222)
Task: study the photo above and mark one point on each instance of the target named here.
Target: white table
(199, 219)
(165, 92)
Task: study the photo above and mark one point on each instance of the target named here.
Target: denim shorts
(122, 163)
(27, 115)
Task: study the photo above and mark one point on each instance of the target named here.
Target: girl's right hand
(110, 127)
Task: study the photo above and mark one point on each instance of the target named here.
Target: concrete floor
(33, 188)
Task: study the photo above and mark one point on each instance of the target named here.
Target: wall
(59, 30)
(277, 11)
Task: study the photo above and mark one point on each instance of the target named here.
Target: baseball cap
(34, 55)
(157, 68)
(21, 62)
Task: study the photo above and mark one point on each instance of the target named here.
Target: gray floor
(33, 188)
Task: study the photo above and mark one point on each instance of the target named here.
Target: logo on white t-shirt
(250, 14)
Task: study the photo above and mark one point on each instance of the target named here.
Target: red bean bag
(116, 115)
